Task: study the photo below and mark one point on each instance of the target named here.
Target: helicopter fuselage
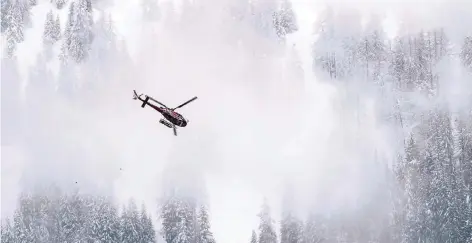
(170, 115)
(172, 118)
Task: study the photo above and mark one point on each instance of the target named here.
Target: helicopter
(172, 118)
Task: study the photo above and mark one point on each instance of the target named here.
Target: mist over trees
(430, 188)
(426, 196)
(87, 50)
(50, 215)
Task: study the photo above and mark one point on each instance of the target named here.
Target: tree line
(56, 216)
(433, 172)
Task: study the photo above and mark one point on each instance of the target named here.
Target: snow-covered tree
(78, 35)
(464, 171)
(179, 220)
(23, 222)
(21, 231)
(54, 216)
(148, 234)
(253, 237)
(59, 3)
(52, 29)
(5, 6)
(188, 224)
(203, 225)
(7, 233)
(326, 44)
(67, 35)
(267, 232)
(171, 220)
(131, 224)
(290, 229)
(285, 20)
(290, 226)
(432, 183)
(103, 225)
(376, 55)
(466, 52)
(464, 149)
(398, 64)
(14, 32)
(312, 232)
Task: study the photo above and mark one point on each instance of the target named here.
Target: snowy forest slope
(372, 144)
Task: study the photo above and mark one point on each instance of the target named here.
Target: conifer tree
(21, 233)
(149, 234)
(52, 216)
(130, 224)
(326, 45)
(204, 233)
(7, 234)
(266, 225)
(187, 230)
(5, 6)
(57, 28)
(104, 221)
(59, 3)
(14, 32)
(398, 63)
(285, 20)
(22, 220)
(290, 226)
(67, 36)
(78, 35)
(169, 214)
(466, 52)
(312, 232)
(253, 237)
(52, 31)
(48, 28)
(290, 229)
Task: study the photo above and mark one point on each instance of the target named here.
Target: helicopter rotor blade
(157, 101)
(194, 98)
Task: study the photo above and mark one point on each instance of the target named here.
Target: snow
(257, 126)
